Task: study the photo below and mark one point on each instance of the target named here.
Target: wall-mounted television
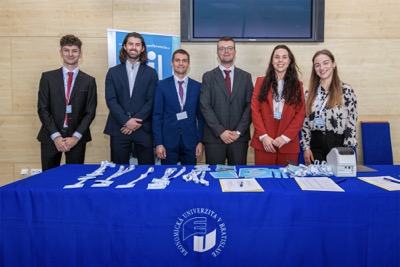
(253, 20)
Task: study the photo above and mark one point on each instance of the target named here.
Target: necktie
(67, 95)
(181, 92)
(228, 81)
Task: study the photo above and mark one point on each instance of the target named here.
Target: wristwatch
(238, 133)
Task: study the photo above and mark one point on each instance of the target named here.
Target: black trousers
(322, 143)
(51, 157)
(121, 149)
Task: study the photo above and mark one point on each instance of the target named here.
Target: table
(43, 224)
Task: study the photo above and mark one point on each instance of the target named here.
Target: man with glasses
(225, 104)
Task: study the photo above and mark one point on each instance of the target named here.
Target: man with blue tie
(177, 121)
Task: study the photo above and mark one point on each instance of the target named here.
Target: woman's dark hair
(291, 89)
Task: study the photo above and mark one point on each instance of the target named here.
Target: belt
(331, 133)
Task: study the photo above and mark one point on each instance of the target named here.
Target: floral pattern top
(340, 120)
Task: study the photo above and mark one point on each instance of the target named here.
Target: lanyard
(320, 107)
(278, 97)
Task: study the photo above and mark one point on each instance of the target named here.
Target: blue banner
(159, 50)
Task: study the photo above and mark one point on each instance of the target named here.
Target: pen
(391, 180)
(241, 184)
(341, 181)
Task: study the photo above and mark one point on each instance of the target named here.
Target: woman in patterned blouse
(331, 110)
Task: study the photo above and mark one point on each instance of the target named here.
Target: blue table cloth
(189, 224)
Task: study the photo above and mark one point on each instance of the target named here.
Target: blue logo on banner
(159, 50)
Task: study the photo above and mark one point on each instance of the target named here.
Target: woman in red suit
(277, 109)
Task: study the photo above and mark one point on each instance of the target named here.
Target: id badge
(68, 109)
(319, 122)
(277, 115)
(181, 116)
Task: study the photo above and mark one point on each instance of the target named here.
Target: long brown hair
(335, 88)
(123, 55)
(291, 89)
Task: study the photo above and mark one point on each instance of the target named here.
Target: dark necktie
(69, 83)
(228, 81)
(181, 94)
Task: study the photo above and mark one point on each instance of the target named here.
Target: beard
(133, 56)
(227, 61)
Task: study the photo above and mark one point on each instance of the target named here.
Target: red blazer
(264, 123)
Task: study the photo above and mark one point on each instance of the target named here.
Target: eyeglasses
(228, 48)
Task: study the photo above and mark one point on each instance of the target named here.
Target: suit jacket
(223, 112)
(166, 127)
(52, 106)
(264, 123)
(122, 106)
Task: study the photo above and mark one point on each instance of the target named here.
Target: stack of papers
(386, 182)
(318, 184)
(240, 185)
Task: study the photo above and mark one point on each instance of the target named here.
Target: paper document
(220, 168)
(255, 173)
(240, 185)
(318, 184)
(387, 182)
(224, 174)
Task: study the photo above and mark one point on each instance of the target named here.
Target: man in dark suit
(67, 102)
(225, 104)
(130, 90)
(177, 121)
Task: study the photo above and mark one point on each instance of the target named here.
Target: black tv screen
(253, 20)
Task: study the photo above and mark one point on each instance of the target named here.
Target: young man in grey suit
(67, 102)
(130, 90)
(225, 104)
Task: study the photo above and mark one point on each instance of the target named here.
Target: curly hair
(70, 40)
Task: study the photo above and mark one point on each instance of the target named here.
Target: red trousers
(262, 157)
